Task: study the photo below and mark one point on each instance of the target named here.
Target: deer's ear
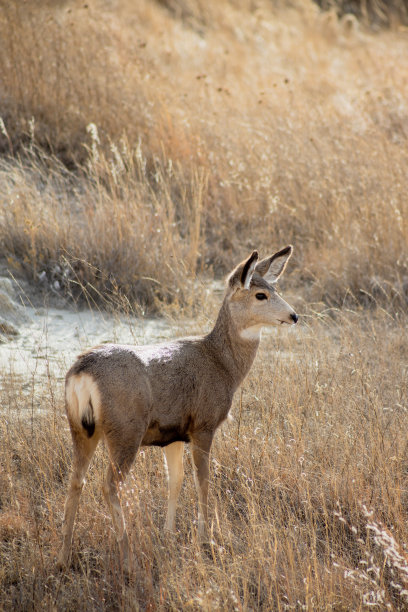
(242, 274)
(271, 268)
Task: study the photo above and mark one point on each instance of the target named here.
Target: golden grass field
(147, 147)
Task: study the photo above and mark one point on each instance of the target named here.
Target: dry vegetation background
(148, 146)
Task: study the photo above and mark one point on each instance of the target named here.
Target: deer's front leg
(201, 459)
(175, 473)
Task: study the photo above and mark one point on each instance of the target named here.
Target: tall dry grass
(146, 147)
(130, 235)
(376, 13)
(259, 124)
(308, 490)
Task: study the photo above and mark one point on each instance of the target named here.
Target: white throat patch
(251, 333)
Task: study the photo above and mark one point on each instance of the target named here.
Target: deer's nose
(294, 317)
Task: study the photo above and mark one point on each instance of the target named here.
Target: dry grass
(220, 128)
(318, 443)
(150, 144)
(114, 238)
(377, 13)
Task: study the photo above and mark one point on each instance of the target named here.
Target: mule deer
(168, 394)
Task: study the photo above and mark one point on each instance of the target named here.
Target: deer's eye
(261, 296)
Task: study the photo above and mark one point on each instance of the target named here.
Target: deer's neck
(234, 350)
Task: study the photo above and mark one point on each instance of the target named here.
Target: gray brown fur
(168, 394)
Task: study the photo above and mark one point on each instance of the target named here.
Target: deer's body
(168, 394)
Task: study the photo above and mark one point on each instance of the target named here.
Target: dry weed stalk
(381, 571)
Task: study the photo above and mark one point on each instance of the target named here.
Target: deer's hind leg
(122, 451)
(83, 449)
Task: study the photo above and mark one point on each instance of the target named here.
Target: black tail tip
(89, 427)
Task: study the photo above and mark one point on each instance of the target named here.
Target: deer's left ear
(271, 268)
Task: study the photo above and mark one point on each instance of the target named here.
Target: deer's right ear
(242, 275)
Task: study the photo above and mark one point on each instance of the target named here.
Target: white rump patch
(80, 389)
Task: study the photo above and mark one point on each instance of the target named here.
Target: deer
(168, 395)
